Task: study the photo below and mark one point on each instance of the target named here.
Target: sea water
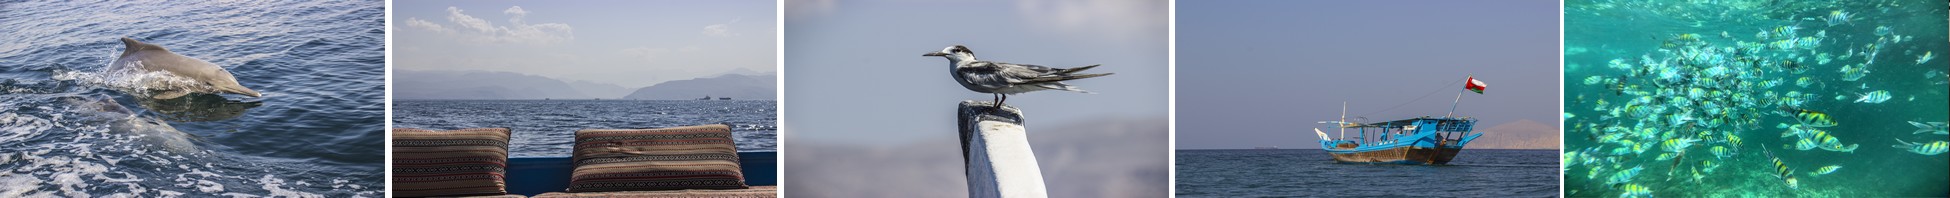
(1597, 32)
(317, 132)
(1313, 173)
(546, 128)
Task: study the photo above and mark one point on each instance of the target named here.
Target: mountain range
(495, 85)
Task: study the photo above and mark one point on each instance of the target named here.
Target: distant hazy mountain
(734, 85)
(747, 72)
(1521, 134)
(479, 85)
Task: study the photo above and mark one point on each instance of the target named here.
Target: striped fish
(1734, 140)
(1785, 31)
(1626, 175)
(1709, 165)
(1837, 17)
(1635, 190)
(1803, 144)
(1677, 145)
(1811, 118)
(1720, 152)
(1873, 97)
(1852, 73)
(1931, 148)
(1930, 127)
(1782, 170)
(1825, 170)
(1828, 142)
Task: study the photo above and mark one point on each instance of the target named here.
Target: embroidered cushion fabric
(754, 192)
(690, 157)
(450, 163)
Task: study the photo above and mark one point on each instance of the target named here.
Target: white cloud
(469, 22)
(720, 30)
(517, 11)
(480, 30)
(428, 25)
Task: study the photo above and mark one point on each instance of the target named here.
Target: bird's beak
(935, 54)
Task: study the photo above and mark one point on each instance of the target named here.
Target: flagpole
(1459, 93)
(1452, 105)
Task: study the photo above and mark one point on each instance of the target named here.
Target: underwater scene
(1734, 98)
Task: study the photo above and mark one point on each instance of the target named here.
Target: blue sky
(855, 74)
(1257, 73)
(628, 43)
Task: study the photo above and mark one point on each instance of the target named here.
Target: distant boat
(1267, 147)
(1415, 141)
(706, 97)
(724, 98)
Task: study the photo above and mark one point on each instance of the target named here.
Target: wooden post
(995, 150)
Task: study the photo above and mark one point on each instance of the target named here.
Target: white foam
(168, 193)
(207, 186)
(18, 185)
(275, 185)
(239, 195)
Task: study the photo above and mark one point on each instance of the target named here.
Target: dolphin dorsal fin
(130, 45)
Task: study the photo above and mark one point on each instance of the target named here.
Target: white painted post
(995, 148)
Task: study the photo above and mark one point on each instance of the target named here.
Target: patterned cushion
(450, 163)
(754, 192)
(691, 157)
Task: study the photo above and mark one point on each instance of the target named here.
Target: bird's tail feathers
(1067, 77)
(1077, 69)
(1060, 86)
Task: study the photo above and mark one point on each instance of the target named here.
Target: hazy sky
(1261, 72)
(855, 74)
(628, 43)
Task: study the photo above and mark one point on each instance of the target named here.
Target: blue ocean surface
(1313, 173)
(66, 130)
(546, 128)
(1702, 99)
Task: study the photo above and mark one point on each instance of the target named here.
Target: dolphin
(144, 57)
(146, 131)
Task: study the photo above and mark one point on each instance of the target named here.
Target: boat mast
(1452, 105)
(1343, 120)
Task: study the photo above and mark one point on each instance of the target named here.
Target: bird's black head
(952, 50)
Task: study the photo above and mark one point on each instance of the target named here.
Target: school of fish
(1693, 101)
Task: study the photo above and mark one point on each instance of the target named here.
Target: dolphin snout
(241, 90)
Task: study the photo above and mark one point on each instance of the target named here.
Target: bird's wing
(1026, 73)
(984, 74)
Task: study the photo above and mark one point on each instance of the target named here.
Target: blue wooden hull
(532, 176)
(1419, 141)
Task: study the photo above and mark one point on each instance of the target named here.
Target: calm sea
(546, 128)
(1313, 173)
(317, 132)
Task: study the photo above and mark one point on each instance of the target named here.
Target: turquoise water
(1646, 73)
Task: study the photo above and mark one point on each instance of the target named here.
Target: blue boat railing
(530, 176)
(1421, 131)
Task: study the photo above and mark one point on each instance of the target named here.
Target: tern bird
(1004, 79)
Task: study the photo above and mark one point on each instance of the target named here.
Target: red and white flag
(1475, 85)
